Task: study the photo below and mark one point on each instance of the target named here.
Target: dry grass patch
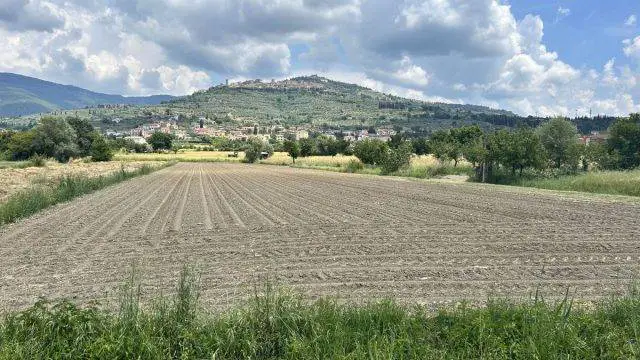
(184, 156)
(13, 180)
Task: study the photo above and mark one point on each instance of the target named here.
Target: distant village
(270, 133)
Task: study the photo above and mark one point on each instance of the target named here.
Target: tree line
(498, 155)
(58, 138)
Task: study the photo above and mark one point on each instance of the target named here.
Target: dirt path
(353, 237)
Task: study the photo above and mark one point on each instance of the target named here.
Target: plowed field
(321, 233)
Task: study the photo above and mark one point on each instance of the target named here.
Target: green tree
(624, 141)
(160, 141)
(292, 148)
(255, 148)
(20, 145)
(395, 159)
(100, 150)
(54, 137)
(420, 146)
(326, 146)
(307, 147)
(557, 136)
(515, 150)
(371, 152)
(85, 134)
(443, 146)
(396, 140)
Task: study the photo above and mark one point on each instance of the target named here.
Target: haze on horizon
(558, 58)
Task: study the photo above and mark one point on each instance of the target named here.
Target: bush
(65, 152)
(254, 150)
(100, 150)
(395, 159)
(161, 141)
(370, 152)
(20, 146)
(354, 166)
(38, 161)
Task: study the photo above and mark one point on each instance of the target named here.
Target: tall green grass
(606, 182)
(281, 325)
(34, 199)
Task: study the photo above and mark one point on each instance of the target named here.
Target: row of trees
(552, 145)
(57, 138)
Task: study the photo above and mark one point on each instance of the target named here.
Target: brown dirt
(322, 233)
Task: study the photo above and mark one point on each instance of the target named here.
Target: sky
(533, 57)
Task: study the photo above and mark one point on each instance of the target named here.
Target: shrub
(100, 150)
(253, 151)
(161, 141)
(38, 161)
(353, 166)
(370, 152)
(395, 159)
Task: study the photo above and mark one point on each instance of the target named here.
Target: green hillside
(23, 95)
(316, 100)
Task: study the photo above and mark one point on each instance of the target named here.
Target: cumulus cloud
(437, 50)
(29, 15)
(632, 47)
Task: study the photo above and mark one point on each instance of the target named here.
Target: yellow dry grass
(13, 180)
(282, 158)
(190, 156)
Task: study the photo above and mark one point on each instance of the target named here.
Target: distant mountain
(23, 95)
(319, 101)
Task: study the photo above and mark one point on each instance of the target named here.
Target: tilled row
(353, 237)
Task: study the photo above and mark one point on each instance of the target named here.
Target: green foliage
(624, 141)
(54, 137)
(600, 182)
(38, 161)
(282, 325)
(307, 147)
(327, 146)
(515, 150)
(420, 146)
(85, 134)
(557, 136)
(160, 141)
(396, 158)
(292, 148)
(21, 145)
(370, 152)
(354, 166)
(100, 150)
(455, 143)
(255, 147)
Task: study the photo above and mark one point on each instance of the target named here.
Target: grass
(282, 325)
(606, 182)
(423, 167)
(31, 200)
(184, 156)
(15, 164)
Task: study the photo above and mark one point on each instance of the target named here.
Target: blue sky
(592, 31)
(531, 57)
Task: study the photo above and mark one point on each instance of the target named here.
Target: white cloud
(562, 13)
(632, 47)
(631, 20)
(440, 50)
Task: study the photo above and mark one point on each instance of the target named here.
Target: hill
(320, 101)
(23, 95)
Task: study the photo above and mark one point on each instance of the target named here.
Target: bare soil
(354, 237)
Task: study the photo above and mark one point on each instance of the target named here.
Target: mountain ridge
(25, 95)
